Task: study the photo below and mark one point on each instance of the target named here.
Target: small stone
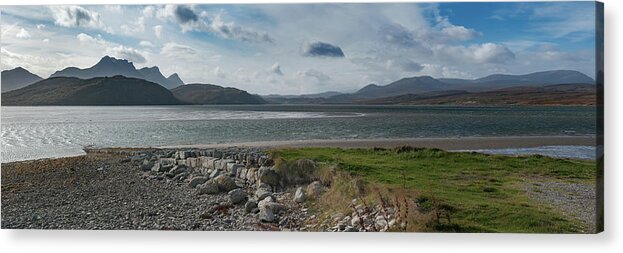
(355, 221)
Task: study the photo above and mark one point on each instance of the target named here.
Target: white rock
(299, 196)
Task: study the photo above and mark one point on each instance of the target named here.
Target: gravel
(105, 191)
(572, 199)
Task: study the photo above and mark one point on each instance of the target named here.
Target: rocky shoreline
(166, 189)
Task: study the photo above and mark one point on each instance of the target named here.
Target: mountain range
(109, 66)
(21, 87)
(121, 90)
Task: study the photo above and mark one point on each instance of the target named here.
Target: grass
(484, 192)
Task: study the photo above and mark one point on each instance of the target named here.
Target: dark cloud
(322, 49)
(185, 14)
(398, 34)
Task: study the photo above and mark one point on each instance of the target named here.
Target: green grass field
(487, 192)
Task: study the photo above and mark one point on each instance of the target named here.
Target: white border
(156, 241)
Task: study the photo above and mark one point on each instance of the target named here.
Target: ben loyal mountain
(108, 81)
(109, 66)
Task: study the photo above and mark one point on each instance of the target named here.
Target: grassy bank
(481, 193)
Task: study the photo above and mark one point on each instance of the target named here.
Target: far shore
(458, 143)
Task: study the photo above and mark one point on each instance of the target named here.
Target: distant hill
(498, 81)
(17, 78)
(200, 94)
(110, 66)
(426, 85)
(559, 94)
(314, 98)
(117, 90)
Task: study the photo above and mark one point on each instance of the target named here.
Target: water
(579, 152)
(40, 132)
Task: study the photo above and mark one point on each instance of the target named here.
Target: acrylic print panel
(387, 117)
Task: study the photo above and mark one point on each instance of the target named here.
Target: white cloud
(145, 43)
(40, 26)
(128, 53)
(22, 34)
(177, 50)
(76, 16)
(314, 75)
(218, 72)
(113, 49)
(46, 40)
(149, 11)
(276, 69)
(157, 30)
(476, 53)
(137, 26)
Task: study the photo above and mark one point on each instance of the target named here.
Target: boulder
(208, 187)
(215, 173)
(314, 189)
(266, 209)
(197, 181)
(299, 196)
(262, 192)
(380, 223)
(250, 205)
(225, 183)
(237, 196)
(268, 176)
(177, 169)
(266, 215)
(147, 164)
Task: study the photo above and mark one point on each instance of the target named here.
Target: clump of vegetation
(442, 191)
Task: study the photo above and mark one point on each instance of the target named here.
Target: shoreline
(459, 143)
(449, 144)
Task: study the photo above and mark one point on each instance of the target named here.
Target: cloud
(137, 26)
(157, 30)
(189, 20)
(476, 53)
(23, 34)
(76, 16)
(46, 40)
(127, 53)
(276, 69)
(113, 49)
(184, 14)
(403, 64)
(398, 35)
(177, 50)
(218, 72)
(229, 30)
(315, 75)
(145, 43)
(322, 49)
(149, 11)
(40, 26)
(83, 37)
(459, 32)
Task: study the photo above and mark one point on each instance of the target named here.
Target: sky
(305, 48)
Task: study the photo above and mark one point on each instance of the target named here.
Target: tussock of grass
(460, 192)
